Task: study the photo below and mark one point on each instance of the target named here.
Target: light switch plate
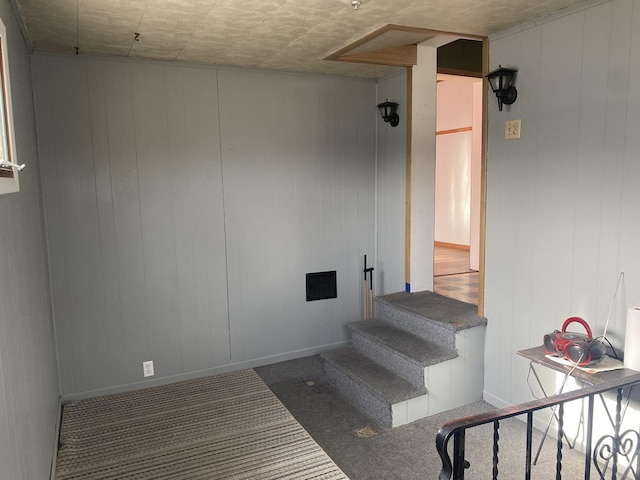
(512, 129)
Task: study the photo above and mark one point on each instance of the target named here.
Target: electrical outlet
(512, 129)
(147, 368)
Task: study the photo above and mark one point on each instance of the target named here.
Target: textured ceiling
(292, 35)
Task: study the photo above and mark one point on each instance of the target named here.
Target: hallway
(452, 276)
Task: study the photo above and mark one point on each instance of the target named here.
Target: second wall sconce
(389, 112)
(501, 81)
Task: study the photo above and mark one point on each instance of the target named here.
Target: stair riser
(388, 358)
(373, 406)
(459, 381)
(417, 325)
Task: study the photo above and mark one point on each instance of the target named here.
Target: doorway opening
(458, 184)
(418, 50)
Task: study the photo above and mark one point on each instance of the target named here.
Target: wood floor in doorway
(452, 276)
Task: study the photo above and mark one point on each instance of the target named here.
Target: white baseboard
(231, 367)
(495, 401)
(539, 422)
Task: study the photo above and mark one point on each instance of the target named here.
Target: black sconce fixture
(501, 81)
(389, 112)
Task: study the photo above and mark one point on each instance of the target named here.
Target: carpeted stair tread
(451, 313)
(377, 379)
(411, 347)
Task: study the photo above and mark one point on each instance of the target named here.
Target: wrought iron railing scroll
(615, 456)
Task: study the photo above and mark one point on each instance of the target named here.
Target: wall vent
(321, 285)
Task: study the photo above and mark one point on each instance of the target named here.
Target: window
(8, 173)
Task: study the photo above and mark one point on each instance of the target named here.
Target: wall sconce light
(501, 81)
(389, 112)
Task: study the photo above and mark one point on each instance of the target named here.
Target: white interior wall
(453, 188)
(562, 201)
(458, 163)
(184, 206)
(477, 149)
(546, 257)
(28, 372)
(423, 153)
(454, 146)
(391, 154)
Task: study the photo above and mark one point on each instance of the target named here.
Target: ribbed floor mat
(226, 427)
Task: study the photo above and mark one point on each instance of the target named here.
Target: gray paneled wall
(28, 372)
(184, 206)
(391, 151)
(563, 201)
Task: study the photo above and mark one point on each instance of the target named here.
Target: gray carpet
(402, 453)
(458, 315)
(229, 427)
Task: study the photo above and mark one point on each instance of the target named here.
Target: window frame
(9, 182)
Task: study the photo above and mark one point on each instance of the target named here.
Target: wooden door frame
(483, 178)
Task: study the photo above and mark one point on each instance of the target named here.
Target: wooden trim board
(407, 202)
(399, 49)
(483, 180)
(457, 246)
(454, 130)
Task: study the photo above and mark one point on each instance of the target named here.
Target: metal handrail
(455, 468)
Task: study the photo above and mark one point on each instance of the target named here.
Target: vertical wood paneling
(562, 200)
(182, 155)
(28, 371)
(184, 256)
(285, 198)
(53, 218)
(591, 164)
(390, 189)
(523, 163)
(156, 216)
(614, 116)
(8, 453)
(80, 232)
(360, 121)
(106, 221)
(248, 168)
(561, 52)
(504, 160)
(308, 155)
(629, 258)
(128, 332)
(612, 228)
(197, 179)
(500, 215)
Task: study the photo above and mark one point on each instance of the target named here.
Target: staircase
(422, 354)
